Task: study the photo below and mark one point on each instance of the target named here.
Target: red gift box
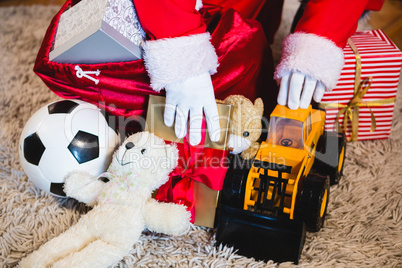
(362, 103)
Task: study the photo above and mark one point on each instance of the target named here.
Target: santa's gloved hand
(297, 90)
(191, 97)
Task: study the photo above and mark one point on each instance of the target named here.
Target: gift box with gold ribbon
(362, 103)
(201, 169)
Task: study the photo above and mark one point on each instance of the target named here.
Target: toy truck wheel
(314, 201)
(330, 155)
(232, 193)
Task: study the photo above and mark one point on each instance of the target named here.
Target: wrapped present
(98, 31)
(201, 169)
(362, 103)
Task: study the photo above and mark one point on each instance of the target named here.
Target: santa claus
(180, 58)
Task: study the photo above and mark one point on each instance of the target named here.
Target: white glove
(192, 95)
(297, 90)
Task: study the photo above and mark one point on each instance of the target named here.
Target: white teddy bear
(123, 207)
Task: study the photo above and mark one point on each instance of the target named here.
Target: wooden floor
(388, 19)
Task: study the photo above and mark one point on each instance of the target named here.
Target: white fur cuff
(198, 5)
(170, 60)
(311, 55)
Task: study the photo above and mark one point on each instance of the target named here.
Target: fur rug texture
(363, 227)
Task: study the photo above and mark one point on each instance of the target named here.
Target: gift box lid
(156, 125)
(94, 31)
(380, 59)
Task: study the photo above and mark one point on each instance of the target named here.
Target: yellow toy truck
(268, 203)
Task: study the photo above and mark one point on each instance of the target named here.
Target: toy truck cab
(283, 160)
(265, 209)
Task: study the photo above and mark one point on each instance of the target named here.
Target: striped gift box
(381, 62)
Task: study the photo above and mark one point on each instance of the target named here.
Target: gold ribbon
(351, 110)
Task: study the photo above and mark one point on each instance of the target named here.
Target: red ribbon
(205, 165)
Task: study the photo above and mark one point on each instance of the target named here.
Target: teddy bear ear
(172, 154)
(228, 99)
(259, 105)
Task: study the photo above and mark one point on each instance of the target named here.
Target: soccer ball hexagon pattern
(65, 136)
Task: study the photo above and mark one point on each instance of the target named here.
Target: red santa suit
(179, 45)
(315, 49)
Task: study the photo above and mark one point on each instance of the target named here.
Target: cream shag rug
(363, 226)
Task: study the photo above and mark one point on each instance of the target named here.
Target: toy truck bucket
(270, 238)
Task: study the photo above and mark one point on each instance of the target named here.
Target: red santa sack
(122, 88)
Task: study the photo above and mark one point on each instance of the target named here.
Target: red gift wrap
(362, 103)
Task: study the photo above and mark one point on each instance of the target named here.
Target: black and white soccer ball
(65, 136)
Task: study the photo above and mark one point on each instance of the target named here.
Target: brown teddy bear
(245, 124)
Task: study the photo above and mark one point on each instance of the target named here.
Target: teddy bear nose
(129, 145)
